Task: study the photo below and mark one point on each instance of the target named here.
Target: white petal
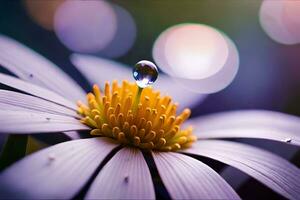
(57, 172)
(35, 90)
(249, 124)
(34, 68)
(237, 178)
(98, 70)
(13, 101)
(188, 178)
(253, 132)
(73, 135)
(10, 100)
(19, 122)
(125, 176)
(273, 171)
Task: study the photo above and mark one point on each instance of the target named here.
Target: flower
(147, 122)
(108, 169)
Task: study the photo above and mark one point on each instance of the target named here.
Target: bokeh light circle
(195, 51)
(197, 56)
(219, 80)
(291, 17)
(280, 19)
(124, 37)
(85, 26)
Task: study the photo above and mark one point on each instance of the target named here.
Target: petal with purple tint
(35, 90)
(188, 178)
(253, 132)
(125, 176)
(15, 101)
(270, 169)
(34, 68)
(98, 70)
(249, 124)
(19, 122)
(73, 135)
(237, 178)
(57, 172)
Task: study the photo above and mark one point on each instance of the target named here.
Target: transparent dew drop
(51, 157)
(145, 73)
(126, 179)
(288, 140)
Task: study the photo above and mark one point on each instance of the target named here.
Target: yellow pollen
(141, 118)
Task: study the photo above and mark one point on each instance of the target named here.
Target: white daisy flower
(133, 126)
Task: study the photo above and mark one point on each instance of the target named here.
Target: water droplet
(288, 140)
(145, 73)
(51, 157)
(126, 179)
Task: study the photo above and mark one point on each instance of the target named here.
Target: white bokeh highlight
(124, 37)
(197, 56)
(280, 20)
(195, 51)
(85, 26)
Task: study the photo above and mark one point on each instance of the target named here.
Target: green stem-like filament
(137, 99)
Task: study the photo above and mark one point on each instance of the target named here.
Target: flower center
(141, 118)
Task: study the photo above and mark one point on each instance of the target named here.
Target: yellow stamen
(148, 121)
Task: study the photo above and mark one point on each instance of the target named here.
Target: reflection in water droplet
(145, 73)
(288, 140)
